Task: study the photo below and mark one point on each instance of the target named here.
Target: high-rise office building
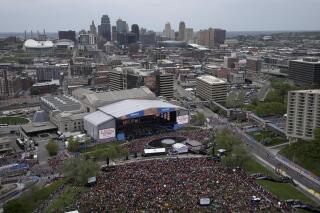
(253, 67)
(211, 88)
(303, 113)
(93, 28)
(121, 26)
(305, 71)
(71, 35)
(114, 33)
(219, 36)
(164, 84)
(148, 38)
(143, 31)
(135, 29)
(188, 35)
(168, 32)
(211, 37)
(182, 28)
(104, 29)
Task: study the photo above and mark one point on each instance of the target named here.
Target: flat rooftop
(309, 60)
(38, 127)
(307, 91)
(62, 103)
(211, 79)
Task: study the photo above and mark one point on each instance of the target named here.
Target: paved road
(261, 151)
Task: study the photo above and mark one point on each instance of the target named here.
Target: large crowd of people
(176, 184)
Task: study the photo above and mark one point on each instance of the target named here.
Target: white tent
(180, 148)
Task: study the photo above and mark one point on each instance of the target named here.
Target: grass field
(283, 191)
(12, 120)
(65, 200)
(267, 138)
(30, 200)
(304, 153)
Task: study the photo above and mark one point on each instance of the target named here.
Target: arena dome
(33, 44)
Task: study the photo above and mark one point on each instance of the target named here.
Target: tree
(199, 118)
(235, 99)
(73, 145)
(52, 147)
(226, 140)
(14, 207)
(317, 135)
(237, 158)
(80, 170)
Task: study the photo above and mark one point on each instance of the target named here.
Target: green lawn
(12, 120)
(30, 200)
(253, 166)
(304, 153)
(267, 137)
(283, 191)
(66, 199)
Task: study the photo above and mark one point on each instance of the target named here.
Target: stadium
(130, 119)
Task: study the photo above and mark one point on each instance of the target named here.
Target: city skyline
(233, 15)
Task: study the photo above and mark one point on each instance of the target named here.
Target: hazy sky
(233, 15)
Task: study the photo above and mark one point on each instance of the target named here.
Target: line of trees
(236, 155)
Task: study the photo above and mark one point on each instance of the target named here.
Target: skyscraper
(93, 28)
(182, 28)
(188, 35)
(71, 35)
(168, 32)
(104, 29)
(121, 26)
(114, 33)
(211, 37)
(135, 29)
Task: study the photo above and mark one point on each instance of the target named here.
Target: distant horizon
(232, 15)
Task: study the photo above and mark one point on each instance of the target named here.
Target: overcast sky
(232, 15)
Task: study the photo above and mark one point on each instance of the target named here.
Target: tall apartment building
(211, 88)
(253, 67)
(305, 71)
(164, 84)
(303, 114)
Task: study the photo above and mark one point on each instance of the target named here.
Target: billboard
(183, 119)
(107, 133)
